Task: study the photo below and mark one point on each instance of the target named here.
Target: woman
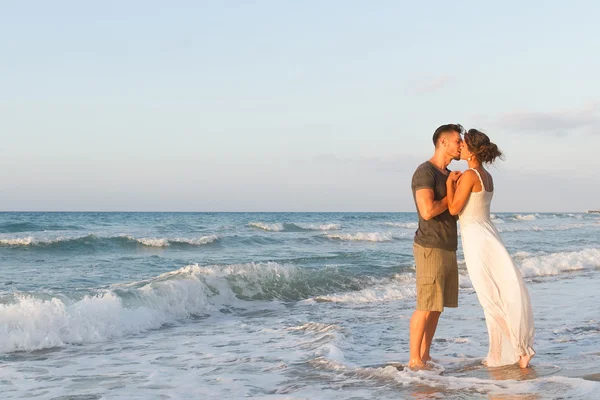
(499, 285)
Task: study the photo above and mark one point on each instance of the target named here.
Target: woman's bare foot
(484, 362)
(524, 361)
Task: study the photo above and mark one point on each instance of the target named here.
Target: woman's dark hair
(479, 144)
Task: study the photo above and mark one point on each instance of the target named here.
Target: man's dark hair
(446, 128)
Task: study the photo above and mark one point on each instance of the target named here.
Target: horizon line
(261, 212)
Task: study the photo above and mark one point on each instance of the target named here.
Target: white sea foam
(557, 263)
(434, 378)
(322, 227)
(523, 229)
(519, 255)
(536, 228)
(32, 323)
(165, 242)
(541, 265)
(531, 217)
(370, 295)
(325, 341)
(22, 241)
(36, 241)
(526, 217)
(278, 227)
(146, 241)
(316, 327)
(399, 287)
(152, 242)
(197, 241)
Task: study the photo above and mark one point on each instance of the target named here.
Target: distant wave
(496, 219)
(591, 329)
(22, 241)
(535, 228)
(33, 241)
(535, 216)
(315, 227)
(164, 242)
(366, 237)
(267, 227)
(93, 240)
(543, 265)
(291, 227)
(528, 217)
(558, 263)
(406, 225)
(16, 227)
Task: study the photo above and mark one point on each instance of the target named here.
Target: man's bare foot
(524, 361)
(416, 365)
(426, 358)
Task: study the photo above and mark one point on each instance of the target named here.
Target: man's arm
(428, 207)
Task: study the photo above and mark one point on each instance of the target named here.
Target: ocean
(276, 306)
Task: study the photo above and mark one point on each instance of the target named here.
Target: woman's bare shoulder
(469, 175)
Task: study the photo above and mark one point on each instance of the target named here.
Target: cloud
(427, 86)
(585, 120)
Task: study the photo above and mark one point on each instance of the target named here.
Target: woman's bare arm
(458, 193)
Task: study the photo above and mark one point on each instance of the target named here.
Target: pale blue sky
(291, 106)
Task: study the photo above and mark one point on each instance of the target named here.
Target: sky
(291, 106)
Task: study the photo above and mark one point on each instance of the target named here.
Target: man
(435, 243)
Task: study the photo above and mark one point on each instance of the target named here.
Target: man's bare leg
(431, 325)
(418, 324)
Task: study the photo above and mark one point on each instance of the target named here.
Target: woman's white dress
(498, 282)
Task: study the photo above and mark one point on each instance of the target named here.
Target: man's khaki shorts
(437, 278)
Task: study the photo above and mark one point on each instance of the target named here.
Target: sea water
(276, 306)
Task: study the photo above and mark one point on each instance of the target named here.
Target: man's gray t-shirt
(440, 231)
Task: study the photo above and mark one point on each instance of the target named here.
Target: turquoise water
(265, 305)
